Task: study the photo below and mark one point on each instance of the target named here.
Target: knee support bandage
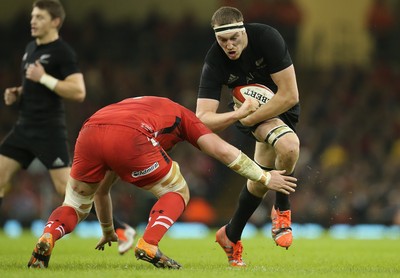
(172, 182)
(276, 133)
(81, 203)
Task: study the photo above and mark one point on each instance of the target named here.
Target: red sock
(162, 216)
(62, 221)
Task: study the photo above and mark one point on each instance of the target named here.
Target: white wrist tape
(246, 167)
(266, 178)
(48, 81)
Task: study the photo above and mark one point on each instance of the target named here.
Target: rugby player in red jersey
(130, 140)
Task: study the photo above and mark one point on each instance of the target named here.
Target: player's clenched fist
(11, 95)
(35, 71)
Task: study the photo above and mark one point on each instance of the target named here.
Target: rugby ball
(259, 92)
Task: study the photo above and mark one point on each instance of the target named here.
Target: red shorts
(131, 153)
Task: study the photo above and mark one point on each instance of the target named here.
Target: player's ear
(56, 22)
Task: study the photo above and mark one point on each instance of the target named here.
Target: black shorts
(49, 145)
(290, 118)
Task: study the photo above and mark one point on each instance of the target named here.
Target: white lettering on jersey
(145, 172)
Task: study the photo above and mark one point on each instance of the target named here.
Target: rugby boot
(232, 250)
(41, 254)
(152, 254)
(281, 230)
(126, 238)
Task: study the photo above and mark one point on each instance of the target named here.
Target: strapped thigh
(82, 204)
(277, 132)
(171, 182)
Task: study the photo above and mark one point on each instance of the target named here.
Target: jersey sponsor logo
(145, 172)
(232, 78)
(58, 162)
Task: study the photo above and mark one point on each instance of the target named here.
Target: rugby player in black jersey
(50, 74)
(245, 54)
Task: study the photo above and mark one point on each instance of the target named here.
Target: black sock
(248, 203)
(1, 200)
(281, 200)
(117, 223)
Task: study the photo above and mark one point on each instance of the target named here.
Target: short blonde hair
(226, 15)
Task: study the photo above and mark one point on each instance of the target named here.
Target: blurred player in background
(245, 54)
(130, 140)
(50, 74)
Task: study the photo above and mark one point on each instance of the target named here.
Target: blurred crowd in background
(349, 168)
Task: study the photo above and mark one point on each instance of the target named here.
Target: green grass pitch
(324, 257)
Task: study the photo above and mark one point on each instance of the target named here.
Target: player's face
(233, 43)
(41, 23)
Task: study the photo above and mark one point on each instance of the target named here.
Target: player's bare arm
(214, 146)
(285, 98)
(103, 205)
(206, 111)
(72, 87)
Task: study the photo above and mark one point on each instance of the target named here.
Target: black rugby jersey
(39, 105)
(265, 54)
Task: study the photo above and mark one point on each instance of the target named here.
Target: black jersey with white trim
(39, 105)
(265, 54)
